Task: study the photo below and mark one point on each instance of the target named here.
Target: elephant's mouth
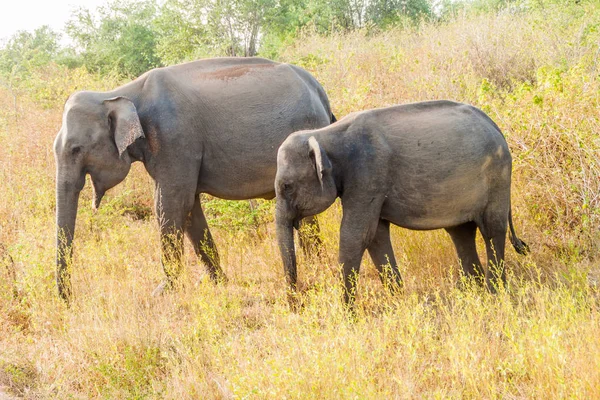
(98, 194)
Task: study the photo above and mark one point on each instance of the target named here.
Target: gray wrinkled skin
(420, 166)
(211, 126)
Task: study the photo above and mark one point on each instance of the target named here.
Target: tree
(181, 32)
(383, 13)
(121, 38)
(25, 51)
(191, 28)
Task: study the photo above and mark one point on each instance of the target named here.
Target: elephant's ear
(124, 122)
(322, 163)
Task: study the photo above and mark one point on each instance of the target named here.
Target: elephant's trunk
(285, 238)
(67, 198)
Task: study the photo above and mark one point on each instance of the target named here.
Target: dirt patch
(17, 377)
(236, 71)
(4, 395)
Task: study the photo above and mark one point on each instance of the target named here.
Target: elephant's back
(249, 91)
(449, 160)
(219, 69)
(217, 64)
(238, 113)
(438, 132)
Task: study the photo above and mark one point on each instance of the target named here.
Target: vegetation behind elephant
(210, 126)
(421, 166)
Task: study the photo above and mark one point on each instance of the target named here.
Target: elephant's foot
(470, 281)
(295, 301)
(218, 276)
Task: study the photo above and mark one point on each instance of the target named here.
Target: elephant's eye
(286, 188)
(76, 150)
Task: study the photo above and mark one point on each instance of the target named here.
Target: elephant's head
(304, 186)
(94, 138)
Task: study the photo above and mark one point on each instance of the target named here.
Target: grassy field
(537, 75)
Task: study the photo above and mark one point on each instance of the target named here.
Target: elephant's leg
(382, 254)
(172, 207)
(351, 252)
(198, 233)
(463, 237)
(309, 236)
(171, 239)
(359, 225)
(493, 231)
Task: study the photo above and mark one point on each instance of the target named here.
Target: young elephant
(421, 166)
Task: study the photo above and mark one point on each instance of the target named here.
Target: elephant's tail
(520, 246)
(333, 118)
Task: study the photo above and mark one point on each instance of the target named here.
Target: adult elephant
(210, 126)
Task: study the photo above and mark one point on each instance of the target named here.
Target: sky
(27, 15)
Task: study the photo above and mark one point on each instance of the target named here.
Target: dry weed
(534, 74)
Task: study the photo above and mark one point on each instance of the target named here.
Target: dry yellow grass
(539, 339)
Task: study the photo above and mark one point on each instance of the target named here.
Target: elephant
(208, 126)
(421, 166)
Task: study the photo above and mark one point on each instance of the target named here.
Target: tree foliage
(26, 51)
(384, 13)
(129, 37)
(191, 28)
(134, 36)
(120, 37)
